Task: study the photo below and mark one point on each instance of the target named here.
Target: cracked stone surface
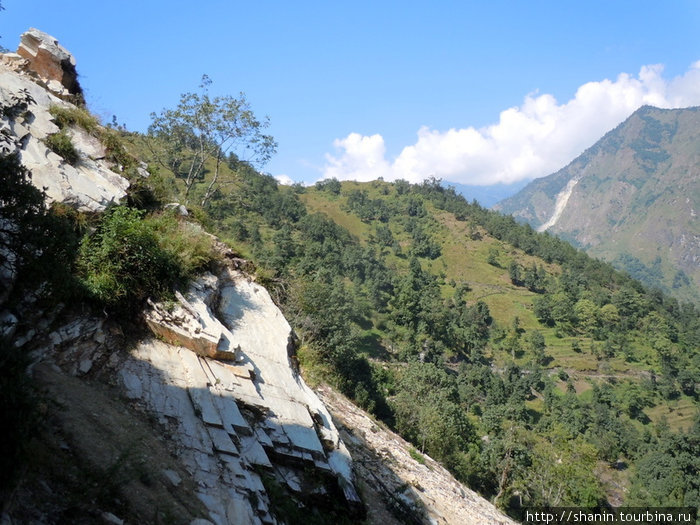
(91, 184)
(252, 411)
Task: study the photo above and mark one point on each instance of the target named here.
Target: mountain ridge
(635, 199)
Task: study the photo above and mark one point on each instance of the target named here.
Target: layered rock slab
(50, 60)
(231, 425)
(89, 185)
(237, 418)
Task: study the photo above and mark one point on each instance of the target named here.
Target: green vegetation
(416, 455)
(34, 250)
(37, 243)
(131, 257)
(62, 145)
(552, 366)
(447, 346)
(66, 116)
(203, 129)
(72, 116)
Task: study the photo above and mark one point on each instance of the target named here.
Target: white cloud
(532, 140)
(362, 159)
(283, 179)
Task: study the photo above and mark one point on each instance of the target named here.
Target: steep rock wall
(89, 185)
(231, 424)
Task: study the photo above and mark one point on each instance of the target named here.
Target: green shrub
(74, 116)
(60, 143)
(416, 455)
(65, 117)
(116, 152)
(123, 263)
(132, 257)
(194, 247)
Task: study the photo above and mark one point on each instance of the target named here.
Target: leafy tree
(506, 460)
(283, 249)
(203, 130)
(667, 475)
(427, 411)
(416, 303)
(687, 380)
(424, 245)
(542, 307)
(415, 207)
(21, 210)
(332, 186)
(492, 258)
(468, 326)
(514, 272)
(384, 235)
(609, 316)
(563, 473)
(402, 186)
(538, 346)
(633, 399)
(587, 315)
(534, 278)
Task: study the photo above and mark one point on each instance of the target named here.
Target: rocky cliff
(198, 414)
(92, 182)
(234, 425)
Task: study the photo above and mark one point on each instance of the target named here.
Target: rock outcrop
(25, 124)
(251, 412)
(53, 63)
(191, 322)
(236, 425)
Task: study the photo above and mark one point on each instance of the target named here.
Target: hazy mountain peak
(631, 198)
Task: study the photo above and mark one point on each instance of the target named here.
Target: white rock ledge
(232, 418)
(89, 186)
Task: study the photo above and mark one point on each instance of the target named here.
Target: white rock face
(90, 185)
(234, 417)
(50, 61)
(192, 324)
(228, 422)
(560, 204)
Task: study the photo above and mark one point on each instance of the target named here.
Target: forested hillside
(538, 375)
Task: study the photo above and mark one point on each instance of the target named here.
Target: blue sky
(475, 93)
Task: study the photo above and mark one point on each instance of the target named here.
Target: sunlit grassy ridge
(465, 249)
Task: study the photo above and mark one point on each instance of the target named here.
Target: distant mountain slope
(633, 199)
